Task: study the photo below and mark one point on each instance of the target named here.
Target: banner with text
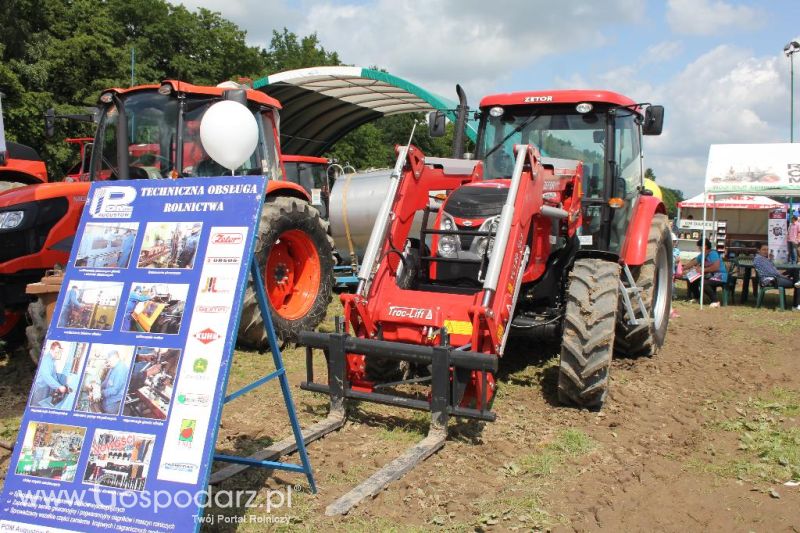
(121, 422)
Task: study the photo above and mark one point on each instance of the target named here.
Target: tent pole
(703, 249)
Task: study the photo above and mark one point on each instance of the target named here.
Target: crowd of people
(708, 269)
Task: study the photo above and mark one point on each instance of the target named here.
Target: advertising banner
(777, 238)
(121, 422)
(771, 169)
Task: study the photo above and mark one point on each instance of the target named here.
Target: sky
(717, 66)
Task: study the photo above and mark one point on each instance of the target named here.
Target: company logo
(223, 260)
(207, 336)
(218, 285)
(194, 399)
(112, 202)
(213, 309)
(227, 238)
(181, 467)
(200, 365)
(467, 223)
(410, 312)
(537, 99)
(186, 436)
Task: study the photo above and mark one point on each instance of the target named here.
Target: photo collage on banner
(132, 372)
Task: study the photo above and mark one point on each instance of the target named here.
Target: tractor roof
(183, 87)
(557, 97)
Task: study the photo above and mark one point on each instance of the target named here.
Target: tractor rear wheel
(654, 277)
(295, 254)
(588, 340)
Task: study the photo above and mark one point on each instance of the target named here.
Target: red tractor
(152, 132)
(547, 232)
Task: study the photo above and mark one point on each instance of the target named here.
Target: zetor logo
(112, 202)
(410, 312)
(538, 99)
(227, 238)
(207, 336)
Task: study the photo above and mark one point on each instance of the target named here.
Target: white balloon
(229, 133)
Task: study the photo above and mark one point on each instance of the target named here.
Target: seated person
(767, 273)
(716, 275)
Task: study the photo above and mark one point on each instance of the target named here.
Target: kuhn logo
(538, 99)
(227, 238)
(223, 260)
(410, 312)
(112, 202)
(206, 336)
(213, 309)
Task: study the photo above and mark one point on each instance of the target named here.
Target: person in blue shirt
(73, 305)
(137, 295)
(113, 386)
(48, 380)
(768, 275)
(127, 247)
(716, 275)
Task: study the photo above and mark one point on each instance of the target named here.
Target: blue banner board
(121, 423)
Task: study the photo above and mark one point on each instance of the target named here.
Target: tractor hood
(76, 192)
(478, 200)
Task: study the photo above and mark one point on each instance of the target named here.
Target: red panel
(634, 249)
(276, 187)
(556, 97)
(182, 86)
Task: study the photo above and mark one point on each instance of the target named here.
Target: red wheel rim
(292, 274)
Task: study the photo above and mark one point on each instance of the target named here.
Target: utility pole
(791, 48)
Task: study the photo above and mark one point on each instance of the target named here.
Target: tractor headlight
(485, 243)
(448, 244)
(11, 219)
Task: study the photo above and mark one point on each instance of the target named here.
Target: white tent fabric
(731, 202)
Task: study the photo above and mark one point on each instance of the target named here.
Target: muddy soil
(701, 437)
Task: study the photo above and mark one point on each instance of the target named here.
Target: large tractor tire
(654, 277)
(588, 340)
(295, 254)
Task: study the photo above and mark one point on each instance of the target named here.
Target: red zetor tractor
(152, 132)
(547, 232)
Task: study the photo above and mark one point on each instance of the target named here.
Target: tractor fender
(634, 249)
(286, 188)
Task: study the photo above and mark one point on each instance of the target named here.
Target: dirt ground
(702, 437)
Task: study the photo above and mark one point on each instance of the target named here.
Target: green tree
(288, 52)
(649, 174)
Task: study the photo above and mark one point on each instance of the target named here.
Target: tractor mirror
(50, 123)
(236, 95)
(598, 136)
(436, 124)
(653, 120)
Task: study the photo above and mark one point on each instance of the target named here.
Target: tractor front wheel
(654, 278)
(295, 254)
(588, 340)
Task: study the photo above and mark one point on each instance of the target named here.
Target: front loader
(547, 232)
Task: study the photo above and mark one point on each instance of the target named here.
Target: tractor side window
(626, 154)
(105, 159)
(272, 155)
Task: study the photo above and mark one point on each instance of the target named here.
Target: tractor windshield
(558, 131)
(152, 139)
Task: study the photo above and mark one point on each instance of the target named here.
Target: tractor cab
(153, 132)
(311, 173)
(600, 129)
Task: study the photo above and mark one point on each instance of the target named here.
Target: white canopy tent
(744, 213)
(737, 169)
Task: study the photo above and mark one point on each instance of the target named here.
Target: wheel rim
(292, 274)
(661, 291)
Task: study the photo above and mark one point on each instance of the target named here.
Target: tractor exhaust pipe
(503, 229)
(461, 123)
(3, 152)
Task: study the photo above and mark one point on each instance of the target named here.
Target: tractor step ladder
(632, 290)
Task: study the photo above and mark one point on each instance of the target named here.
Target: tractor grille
(476, 202)
(29, 237)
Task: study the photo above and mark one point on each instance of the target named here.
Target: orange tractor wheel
(296, 257)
